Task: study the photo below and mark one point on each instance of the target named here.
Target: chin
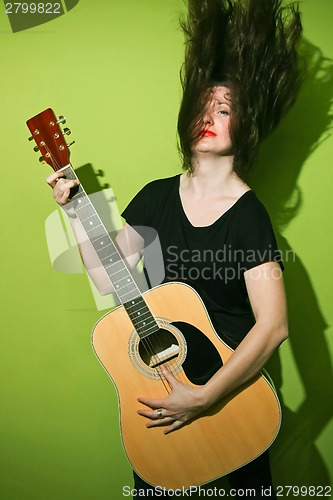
(214, 152)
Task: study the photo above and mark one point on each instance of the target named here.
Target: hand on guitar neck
(61, 187)
(128, 241)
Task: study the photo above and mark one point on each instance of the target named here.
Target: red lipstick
(207, 133)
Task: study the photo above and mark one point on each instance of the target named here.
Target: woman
(239, 78)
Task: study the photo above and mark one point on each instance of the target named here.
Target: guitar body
(229, 435)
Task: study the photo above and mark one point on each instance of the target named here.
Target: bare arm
(128, 241)
(268, 301)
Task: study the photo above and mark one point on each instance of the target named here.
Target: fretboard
(113, 263)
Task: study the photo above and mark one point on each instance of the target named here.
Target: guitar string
(148, 344)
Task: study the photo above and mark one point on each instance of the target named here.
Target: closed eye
(222, 112)
(221, 108)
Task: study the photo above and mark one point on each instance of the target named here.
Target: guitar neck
(122, 280)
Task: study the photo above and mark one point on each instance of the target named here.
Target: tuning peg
(62, 120)
(99, 173)
(41, 160)
(66, 131)
(70, 144)
(30, 138)
(36, 149)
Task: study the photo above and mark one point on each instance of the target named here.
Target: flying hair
(249, 46)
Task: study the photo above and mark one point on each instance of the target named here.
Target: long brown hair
(249, 46)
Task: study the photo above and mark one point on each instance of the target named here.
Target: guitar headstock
(49, 138)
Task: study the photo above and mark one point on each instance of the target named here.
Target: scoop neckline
(218, 219)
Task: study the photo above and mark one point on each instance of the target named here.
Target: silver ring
(159, 413)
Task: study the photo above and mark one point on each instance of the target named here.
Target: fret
(118, 275)
(114, 267)
(148, 331)
(90, 222)
(79, 195)
(89, 219)
(126, 281)
(82, 203)
(144, 325)
(141, 317)
(84, 210)
(142, 320)
(111, 259)
(135, 306)
(102, 240)
(125, 290)
(145, 331)
(130, 295)
(69, 172)
(103, 247)
(94, 232)
(139, 312)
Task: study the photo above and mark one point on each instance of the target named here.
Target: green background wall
(112, 68)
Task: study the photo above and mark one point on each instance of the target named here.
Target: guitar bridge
(164, 356)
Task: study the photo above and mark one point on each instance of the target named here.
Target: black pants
(253, 480)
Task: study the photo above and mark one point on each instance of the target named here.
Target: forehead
(221, 94)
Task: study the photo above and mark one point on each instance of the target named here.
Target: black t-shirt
(213, 258)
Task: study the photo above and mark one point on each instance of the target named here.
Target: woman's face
(215, 135)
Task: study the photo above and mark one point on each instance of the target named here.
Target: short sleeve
(256, 240)
(150, 202)
(136, 213)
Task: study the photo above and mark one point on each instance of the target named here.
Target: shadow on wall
(295, 458)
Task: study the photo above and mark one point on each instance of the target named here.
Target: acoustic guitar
(167, 325)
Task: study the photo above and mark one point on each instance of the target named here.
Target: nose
(208, 118)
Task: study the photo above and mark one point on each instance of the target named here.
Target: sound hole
(158, 348)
